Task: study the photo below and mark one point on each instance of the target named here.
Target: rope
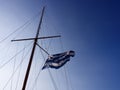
(28, 24)
(69, 79)
(6, 52)
(19, 28)
(13, 57)
(38, 74)
(67, 82)
(49, 45)
(15, 70)
(65, 71)
(14, 67)
(42, 49)
(36, 80)
(61, 43)
(19, 70)
(53, 81)
(55, 86)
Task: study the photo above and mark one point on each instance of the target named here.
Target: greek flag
(58, 60)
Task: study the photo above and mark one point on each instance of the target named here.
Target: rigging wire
(49, 45)
(35, 70)
(65, 71)
(67, 82)
(64, 67)
(20, 27)
(23, 28)
(72, 88)
(42, 49)
(18, 78)
(6, 52)
(38, 74)
(44, 60)
(53, 81)
(35, 77)
(54, 84)
(35, 81)
(16, 69)
(13, 57)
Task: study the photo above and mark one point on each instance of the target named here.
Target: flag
(58, 60)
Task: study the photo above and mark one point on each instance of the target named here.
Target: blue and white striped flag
(58, 60)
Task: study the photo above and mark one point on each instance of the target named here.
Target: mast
(32, 53)
(34, 47)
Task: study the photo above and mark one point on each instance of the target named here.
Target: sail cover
(58, 60)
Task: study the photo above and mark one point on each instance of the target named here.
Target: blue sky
(89, 27)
